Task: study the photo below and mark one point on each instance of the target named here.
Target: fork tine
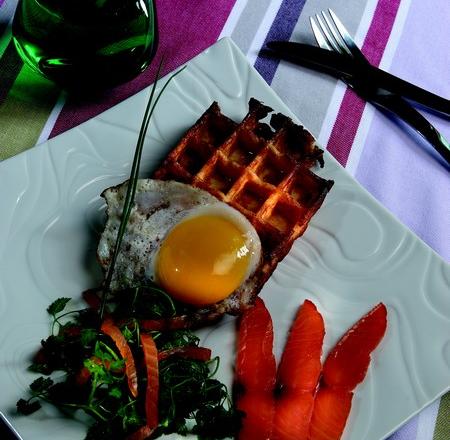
(321, 41)
(337, 37)
(348, 40)
(326, 34)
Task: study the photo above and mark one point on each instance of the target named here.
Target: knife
(362, 79)
(338, 65)
(6, 429)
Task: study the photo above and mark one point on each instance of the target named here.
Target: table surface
(409, 38)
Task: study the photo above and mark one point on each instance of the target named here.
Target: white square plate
(353, 255)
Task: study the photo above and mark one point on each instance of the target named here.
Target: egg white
(159, 207)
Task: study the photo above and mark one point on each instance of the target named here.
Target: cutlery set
(339, 56)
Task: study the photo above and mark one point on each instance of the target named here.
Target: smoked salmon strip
(298, 374)
(347, 363)
(255, 373)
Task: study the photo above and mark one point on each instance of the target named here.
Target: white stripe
(48, 127)
(233, 18)
(427, 421)
(396, 33)
(338, 94)
(263, 29)
(331, 114)
(365, 22)
(386, 60)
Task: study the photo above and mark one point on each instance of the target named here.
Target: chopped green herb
(190, 399)
(88, 336)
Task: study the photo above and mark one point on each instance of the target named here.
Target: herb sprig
(94, 380)
(133, 180)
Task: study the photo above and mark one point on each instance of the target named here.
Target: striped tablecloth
(410, 38)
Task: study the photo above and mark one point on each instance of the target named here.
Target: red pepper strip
(142, 433)
(298, 374)
(110, 329)
(187, 352)
(255, 373)
(165, 324)
(92, 299)
(191, 321)
(84, 374)
(152, 391)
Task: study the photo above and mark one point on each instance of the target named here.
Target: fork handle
(401, 87)
(397, 105)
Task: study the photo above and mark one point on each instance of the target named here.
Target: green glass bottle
(86, 44)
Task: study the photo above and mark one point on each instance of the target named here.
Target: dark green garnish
(187, 389)
(190, 399)
(27, 407)
(57, 306)
(212, 419)
(94, 373)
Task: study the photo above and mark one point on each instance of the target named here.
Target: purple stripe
(400, 169)
(352, 107)
(185, 29)
(281, 29)
(408, 431)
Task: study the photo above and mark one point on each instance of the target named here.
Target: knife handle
(411, 91)
(397, 105)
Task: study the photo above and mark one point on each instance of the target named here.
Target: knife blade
(345, 67)
(6, 429)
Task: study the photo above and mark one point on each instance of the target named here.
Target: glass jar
(85, 44)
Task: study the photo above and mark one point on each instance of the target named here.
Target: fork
(340, 41)
(331, 34)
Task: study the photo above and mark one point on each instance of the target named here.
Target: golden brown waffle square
(261, 171)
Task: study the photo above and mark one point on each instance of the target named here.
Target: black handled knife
(362, 78)
(346, 67)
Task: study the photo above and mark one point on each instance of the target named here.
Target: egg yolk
(202, 260)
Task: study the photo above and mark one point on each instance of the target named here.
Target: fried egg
(197, 248)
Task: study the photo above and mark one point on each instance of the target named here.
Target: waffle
(262, 171)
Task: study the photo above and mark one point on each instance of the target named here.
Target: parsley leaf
(26, 407)
(41, 385)
(57, 306)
